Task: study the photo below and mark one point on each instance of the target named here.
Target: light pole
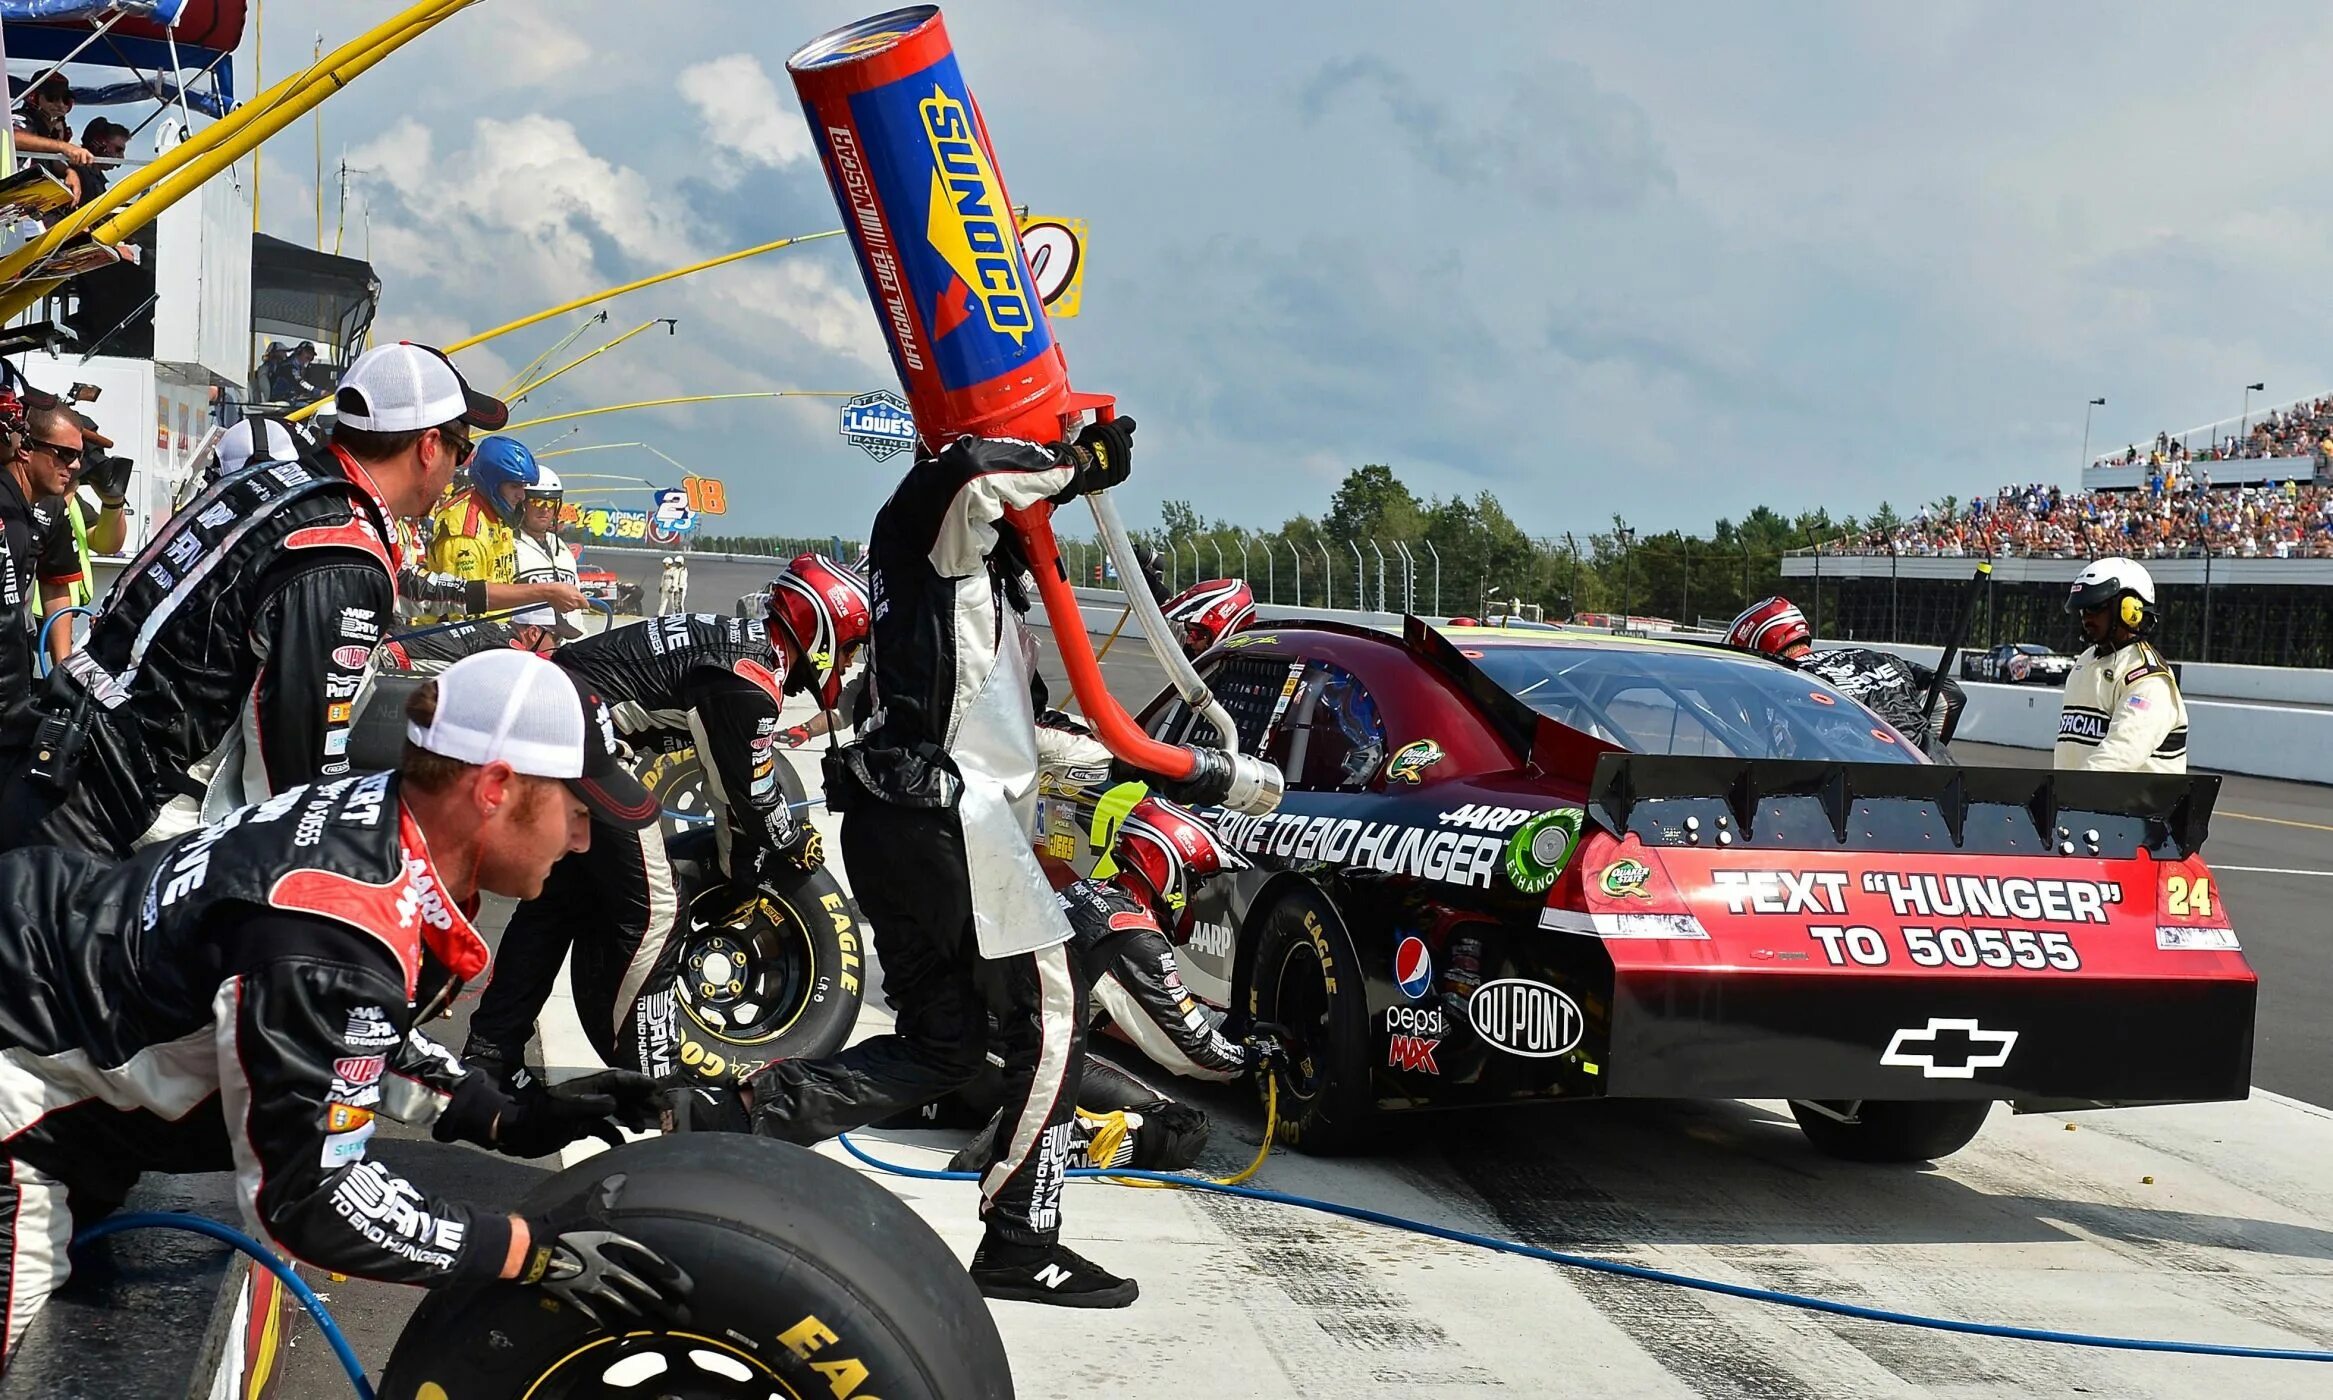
(2094, 403)
(1220, 570)
(1271, 572)
(1627, 572)
(1328, 575)
(1373, 549)
(1572, 595)
(1296, 554)
(1437, 578)
(1244, 570)
(1360, 587)
(1409, 578)
(2244, 424)
(1194, 559)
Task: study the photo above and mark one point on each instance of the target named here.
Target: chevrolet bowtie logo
(1947, 1048)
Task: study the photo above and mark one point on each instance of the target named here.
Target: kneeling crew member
(2121, 712)
(243, 998)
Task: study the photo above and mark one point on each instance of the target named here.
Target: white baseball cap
(510, 706)
(405, 387)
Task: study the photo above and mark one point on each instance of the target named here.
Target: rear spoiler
(1774, 803)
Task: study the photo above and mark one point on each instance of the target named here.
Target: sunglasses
(460, 443)
(56, 449)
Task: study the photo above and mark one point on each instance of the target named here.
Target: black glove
(108, 476)
(574, 1256)
(805, 853)
(1104, 454)
(539, 1123)
(1209, 783)
(1265, 1043)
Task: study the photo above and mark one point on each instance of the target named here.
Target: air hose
(261, 1255)
(1776, 1297)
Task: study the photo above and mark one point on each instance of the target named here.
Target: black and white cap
(510, 706)
(256, 440)
(404, 388)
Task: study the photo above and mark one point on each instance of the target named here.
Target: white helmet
(547, 482)
(2102, 582)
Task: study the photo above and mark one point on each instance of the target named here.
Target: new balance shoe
(1052, 1274)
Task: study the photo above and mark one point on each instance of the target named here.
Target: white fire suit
(2122, 713)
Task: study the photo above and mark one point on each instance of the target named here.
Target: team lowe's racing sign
(1819, 974)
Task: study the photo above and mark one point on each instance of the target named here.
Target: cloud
(743, 117)
(1559, 140)
(532, 48)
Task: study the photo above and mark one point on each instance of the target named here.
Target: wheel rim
(749, 983)
(660, 1366)
(1300, 1001)
(680, 790)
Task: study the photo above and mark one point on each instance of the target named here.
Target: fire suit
(430, 650)
(224, 665)
(469, 541)
(937, 803)
(691, 677)
(238, 999)
(1894, 689)
(2122, 713)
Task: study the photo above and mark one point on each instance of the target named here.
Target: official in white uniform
(543, 557)
(2121, 712)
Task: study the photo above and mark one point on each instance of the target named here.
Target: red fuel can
(916, 179)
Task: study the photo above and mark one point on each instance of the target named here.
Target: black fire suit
(696, 678)
(938, 847)
(238, 999)
(429, 650)
(36, 547)
(1894, 689)
(225, 663)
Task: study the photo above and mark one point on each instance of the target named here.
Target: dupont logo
(351, 658)
(1525, 1018)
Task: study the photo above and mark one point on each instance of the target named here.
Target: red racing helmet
(819, 611)
(1771, 626)
(1205, 613)
(1162, 853)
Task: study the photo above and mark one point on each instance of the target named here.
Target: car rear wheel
(1308, 979)
(1891, 1130)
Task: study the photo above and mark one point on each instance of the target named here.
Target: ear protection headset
(2134, 613)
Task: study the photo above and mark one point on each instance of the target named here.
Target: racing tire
(798, 971)
(1895, 1130)
(798, 1263)
(1308, 978)
(677, 777)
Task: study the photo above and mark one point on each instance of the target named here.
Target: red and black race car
(1517, 866)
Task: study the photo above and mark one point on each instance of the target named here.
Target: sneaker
(1054, 1274)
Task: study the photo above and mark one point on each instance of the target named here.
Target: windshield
(1692, 702)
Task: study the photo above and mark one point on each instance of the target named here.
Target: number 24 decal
(2184, 898)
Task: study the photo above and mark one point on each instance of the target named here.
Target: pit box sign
(879, 422)
(1055, 249)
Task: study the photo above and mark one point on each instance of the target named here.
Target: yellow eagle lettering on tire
(843, 1377)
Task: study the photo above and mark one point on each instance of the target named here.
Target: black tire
(797, 1261)
(1308, 978)
(1895, 1130)
(796, 981)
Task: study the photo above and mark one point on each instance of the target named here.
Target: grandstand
(2234, 519)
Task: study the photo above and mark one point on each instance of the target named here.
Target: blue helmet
(498, 462)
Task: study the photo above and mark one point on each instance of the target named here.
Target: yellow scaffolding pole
(528, 388)
(685, 398)
(594, 447)
(134, 202)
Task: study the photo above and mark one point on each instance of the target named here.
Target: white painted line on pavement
(2271, 870)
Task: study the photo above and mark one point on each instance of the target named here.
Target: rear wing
(1772, 803)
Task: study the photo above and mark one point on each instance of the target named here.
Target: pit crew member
(937, 801)
(1205, 613)
(475, 535)
(243, 998)
(2122, 712)
(38, 564)
(699, 678)
(224, 665)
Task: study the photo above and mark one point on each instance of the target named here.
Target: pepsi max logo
(1413, 967)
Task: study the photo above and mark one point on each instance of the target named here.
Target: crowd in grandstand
(2304, 430)
(2164, 519)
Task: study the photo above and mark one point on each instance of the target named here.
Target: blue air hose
(260, 1254)
(41, 654)
(1638, 1271)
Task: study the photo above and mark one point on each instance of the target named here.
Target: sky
(1664, 261)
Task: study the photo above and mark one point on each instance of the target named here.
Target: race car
(602, 584)
(2017, 663)
(1543, 866)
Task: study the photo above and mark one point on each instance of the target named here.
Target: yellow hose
(1263, 1149)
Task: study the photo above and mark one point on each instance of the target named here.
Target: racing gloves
(1266, 1044)
(1104, 454)
(574, 1256)
(796, 737)
(538, 1119)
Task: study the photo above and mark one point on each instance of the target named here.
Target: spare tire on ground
(812, 1282)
